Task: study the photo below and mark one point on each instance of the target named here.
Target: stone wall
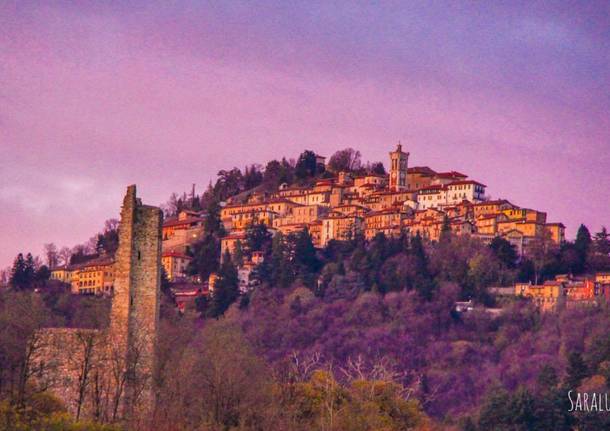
(108, 374)
(66, 363)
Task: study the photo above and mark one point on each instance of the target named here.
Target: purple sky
(93, 98)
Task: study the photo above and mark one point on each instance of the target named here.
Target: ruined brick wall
(119, 364)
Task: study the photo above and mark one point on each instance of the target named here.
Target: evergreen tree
(305, 253)
(272, 175)
(547, 379)
(495, 413)
(213, 224)
(229, 183)
(196, 203)
(306, 166)
(522, 410)
(377, 168)
(602, 242)
(445, 235)
(504, 251)
(258, 238)
(205, 257)
(582, 245)
(30, 268)
(423, 282)
(42, 274)
(202, 305)
(600, 258)
(99, 245)
(24, 274)
(19, 279)
(252, 177)
(280, 266)
(165, 285)
(286, 172)
(576, 370)
(226, 288)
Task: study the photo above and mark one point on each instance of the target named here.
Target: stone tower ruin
(108, 375)
(134, 317)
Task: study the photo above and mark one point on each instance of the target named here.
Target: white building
(469, 190)
(433, 196)
(438, 196)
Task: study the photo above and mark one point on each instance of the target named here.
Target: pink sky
(97, 97)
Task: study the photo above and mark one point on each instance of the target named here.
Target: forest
(360, 335)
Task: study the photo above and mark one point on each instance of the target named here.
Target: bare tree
(541, 250)
(347, 159)
(64, 254)
(51, 255)
(87, 343)
(21, 316)
(302, 367)
(5, 276)
(111, 224)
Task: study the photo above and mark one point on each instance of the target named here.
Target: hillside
(269, 324)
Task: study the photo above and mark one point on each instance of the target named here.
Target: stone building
(108, 374)
(398, 169)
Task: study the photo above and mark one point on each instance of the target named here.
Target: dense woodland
(357, 336)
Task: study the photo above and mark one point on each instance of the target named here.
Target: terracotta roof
(390, 192)
(341, 215)
(97, 261)
(352, 205)
(291, 225)
(234, 235)
(488, 216)
(455, 183)
(267, 202)
(425, 170)
(451, 174)
(494, 202)
(383, 211)
(175, 254)
(517, 232)
(253, 211)
(429, 209)
(187, 289)
(176, 222)
(370, 175)
(432, 188)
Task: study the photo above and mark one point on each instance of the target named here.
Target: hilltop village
(412, 278)
(405, 201)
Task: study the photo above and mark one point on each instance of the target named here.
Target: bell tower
(398, 169)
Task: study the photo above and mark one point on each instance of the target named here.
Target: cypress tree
(226, 289)
(582, 246)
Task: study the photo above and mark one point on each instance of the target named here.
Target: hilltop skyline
(97, 97)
